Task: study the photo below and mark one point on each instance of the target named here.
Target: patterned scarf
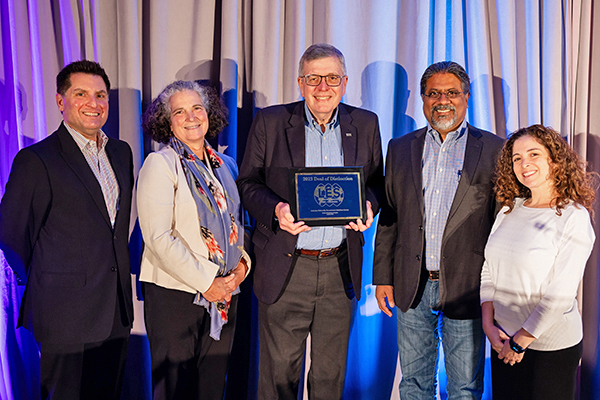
(220, 213)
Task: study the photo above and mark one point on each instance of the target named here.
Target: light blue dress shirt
(323, 149)
(442, 170)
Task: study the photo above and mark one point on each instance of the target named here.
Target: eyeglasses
(330, 80)
(450, 94)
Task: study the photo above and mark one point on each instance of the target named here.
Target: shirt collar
(311, 121)
(84, 142)
(452, 135)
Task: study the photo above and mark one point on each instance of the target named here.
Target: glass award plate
(323, 196)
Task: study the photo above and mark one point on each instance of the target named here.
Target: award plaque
(322, 196)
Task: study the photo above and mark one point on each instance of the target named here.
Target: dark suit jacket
(276, 142)
(55, 230)
(400, 242)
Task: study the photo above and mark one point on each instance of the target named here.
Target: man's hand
(381, 293)
(286, 220)
(358, 225)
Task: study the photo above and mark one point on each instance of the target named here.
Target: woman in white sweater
(534, 260)
(194, 260)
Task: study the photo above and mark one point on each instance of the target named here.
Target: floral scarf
(220, 213)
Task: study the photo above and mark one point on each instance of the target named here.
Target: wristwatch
(515, 347)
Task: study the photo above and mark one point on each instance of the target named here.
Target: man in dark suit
(431, 235)
(64, 228)
(305, 278)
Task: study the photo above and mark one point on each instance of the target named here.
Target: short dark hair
(447, 67)
(63, 79)
(318, 51)
(156, 121)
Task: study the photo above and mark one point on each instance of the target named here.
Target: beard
(445, 123)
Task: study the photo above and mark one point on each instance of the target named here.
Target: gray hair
(180, 86)
(318, 51)
(156, 121)
(447, 67)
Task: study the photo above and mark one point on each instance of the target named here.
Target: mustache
(444, 107)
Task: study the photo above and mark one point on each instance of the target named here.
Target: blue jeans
(419, 333)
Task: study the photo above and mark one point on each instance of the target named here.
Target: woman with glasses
(534, 260)
(194, 259)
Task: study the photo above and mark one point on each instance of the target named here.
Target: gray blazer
(400, 242)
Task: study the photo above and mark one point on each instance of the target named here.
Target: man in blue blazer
(64, 228)
(430, 238)
(305, 278)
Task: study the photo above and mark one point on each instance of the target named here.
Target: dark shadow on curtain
(590, 368)
(371, 77)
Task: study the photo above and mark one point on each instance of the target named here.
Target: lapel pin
(348, 134)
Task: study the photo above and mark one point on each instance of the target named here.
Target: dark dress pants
(541, 375)
(186, 362)
(87, 370)
(314, 301)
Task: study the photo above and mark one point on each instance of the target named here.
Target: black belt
(434, 275)
(321, 253)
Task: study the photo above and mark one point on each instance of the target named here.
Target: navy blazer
(400, 242)
(277, 142)
(56, 232)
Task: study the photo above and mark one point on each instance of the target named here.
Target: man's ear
(60, 102)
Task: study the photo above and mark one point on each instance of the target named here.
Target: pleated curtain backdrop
(531, 61)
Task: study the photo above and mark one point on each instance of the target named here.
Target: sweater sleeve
(487, 289)
(575, 247)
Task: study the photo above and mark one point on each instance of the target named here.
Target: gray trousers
(314, 301)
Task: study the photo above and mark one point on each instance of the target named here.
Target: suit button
(421, 227)
(418, 257)
(289, 254)
(113, 269)
(115, 237)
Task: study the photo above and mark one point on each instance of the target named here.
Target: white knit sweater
(534, 261)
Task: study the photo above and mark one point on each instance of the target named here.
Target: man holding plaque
(306, 277)
(431, 235)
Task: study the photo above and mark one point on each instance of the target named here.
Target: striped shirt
(323, 149)
(100, 165)
(442, 170)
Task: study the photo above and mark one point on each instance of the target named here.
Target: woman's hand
(220, 289)
(239, 273)
(496, 336)
(509, 356)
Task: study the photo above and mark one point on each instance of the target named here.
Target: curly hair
(571, 181)
(156, 121)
